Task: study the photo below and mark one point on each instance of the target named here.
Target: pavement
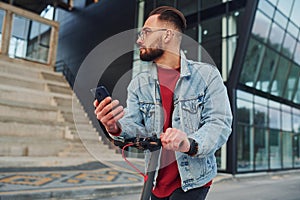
(76, 178)
(67, 178)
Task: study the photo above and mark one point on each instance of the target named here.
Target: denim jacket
(201, 110)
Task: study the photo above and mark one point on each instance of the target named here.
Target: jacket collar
(184, 70)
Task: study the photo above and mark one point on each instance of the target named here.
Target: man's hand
(109, 113)
(175, 140)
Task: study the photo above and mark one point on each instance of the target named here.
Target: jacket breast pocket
(148, 113)
(191, 112)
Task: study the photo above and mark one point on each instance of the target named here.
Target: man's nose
(139, 41)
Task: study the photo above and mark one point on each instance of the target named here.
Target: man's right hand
(109, 113)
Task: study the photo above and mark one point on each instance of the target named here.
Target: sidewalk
(74, 178)
(68, 178)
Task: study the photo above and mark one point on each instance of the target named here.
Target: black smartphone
(101, 93)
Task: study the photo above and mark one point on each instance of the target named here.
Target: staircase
(36, 115)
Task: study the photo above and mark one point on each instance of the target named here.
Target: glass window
(261, 149)
(285, 6)
(250, 66)
(274, 115)
(276, 36)
(211, 38)
(288, 45)
(260, 112)
(279, 82)
(275, 149)
(187, 7)
(293, 29)
(29, 39)
(2, 13)
(266, 7)
(244, 112)
(286, 118)
(165, 3)
(297, 54)
(273, 2)
(281, 19)
(244, 149)
(209, 3)
(297, 92)
(287, 149)
(292, 80)
(261, 26)
(268, 67)
(296, 150)
(295, 16)
(296, 120)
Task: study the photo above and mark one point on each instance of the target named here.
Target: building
(254, 43)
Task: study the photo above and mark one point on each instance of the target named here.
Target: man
(184, 102)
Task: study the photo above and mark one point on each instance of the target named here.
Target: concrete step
(20, 82)
(79, 117)
(56, 77)
(31, 146)
(29, 95)
(29, 70)
(59, 89)
(21, 127)
(34, 84)
(29, 110)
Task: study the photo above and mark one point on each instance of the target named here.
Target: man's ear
(168, 36)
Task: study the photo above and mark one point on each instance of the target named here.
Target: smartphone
(101, 93)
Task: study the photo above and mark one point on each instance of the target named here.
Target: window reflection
(295, 16)
(1, 23)
(280, 79)
(285, 6)
(287, 150)
(274, 115)
(261, 26)
(293, 29)
(275, 149)
(276, 36)
(268, 68)
(244, 145)
(296, 150)
(261, 149)
(281, 19)
(296, 120)
(286, 118)
(251, 62)
(266, 7)
(292, 82)
(288, 45)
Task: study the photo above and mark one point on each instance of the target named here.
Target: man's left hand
(175, 140)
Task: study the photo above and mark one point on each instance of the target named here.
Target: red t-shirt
(168, 179)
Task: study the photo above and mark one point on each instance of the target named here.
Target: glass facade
(267, 129)
(266, 95)
(267, 134)
(271, 64)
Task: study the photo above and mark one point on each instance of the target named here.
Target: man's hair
(170, 14)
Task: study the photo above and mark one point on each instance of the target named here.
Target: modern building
(254, 43)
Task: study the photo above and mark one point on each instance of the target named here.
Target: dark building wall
(83, 29)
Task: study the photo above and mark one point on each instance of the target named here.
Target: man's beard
(150, 54)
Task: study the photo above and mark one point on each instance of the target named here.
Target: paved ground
(263, 186)
(88, 180)
(114, 180)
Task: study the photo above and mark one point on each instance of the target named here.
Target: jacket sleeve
(216, 117)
